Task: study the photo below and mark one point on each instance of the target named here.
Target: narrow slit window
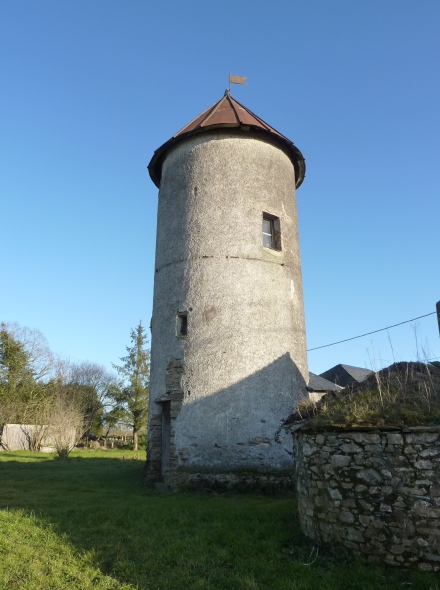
(182, 324)
(271, 232)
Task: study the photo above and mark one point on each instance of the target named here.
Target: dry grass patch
(404, 394)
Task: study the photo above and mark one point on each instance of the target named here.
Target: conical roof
(229, 113)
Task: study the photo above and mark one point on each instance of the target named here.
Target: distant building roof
(344, 375)
(229, 113)
(317, 383)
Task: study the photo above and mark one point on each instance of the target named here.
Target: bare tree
(41, 359)
(66, 424)
(26, 367)
(92, 384)
(38, 431)
(38, 388)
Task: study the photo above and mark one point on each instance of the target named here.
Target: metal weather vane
(233, 79)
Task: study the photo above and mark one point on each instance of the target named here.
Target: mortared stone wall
(376, 492)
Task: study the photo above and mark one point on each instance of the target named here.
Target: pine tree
(132, 397)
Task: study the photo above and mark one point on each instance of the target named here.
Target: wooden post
(438, 314)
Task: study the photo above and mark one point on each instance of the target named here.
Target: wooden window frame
(275, 231)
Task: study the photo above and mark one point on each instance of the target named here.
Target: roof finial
(228, 92)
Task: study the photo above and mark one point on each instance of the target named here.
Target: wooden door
(166, 432)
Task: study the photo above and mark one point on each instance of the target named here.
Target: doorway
(166, 436)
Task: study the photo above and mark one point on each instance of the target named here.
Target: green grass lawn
(87, 523)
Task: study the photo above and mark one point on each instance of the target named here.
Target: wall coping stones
(308, 426)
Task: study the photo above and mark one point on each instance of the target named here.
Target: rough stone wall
(173, 395)
(265, 482)
(244, 356)
(376, 492)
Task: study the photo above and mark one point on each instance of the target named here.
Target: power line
(374, 332)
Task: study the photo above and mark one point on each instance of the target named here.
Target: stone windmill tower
(228, 348)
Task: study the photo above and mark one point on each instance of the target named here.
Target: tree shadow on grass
(168, 541)
(25, 457)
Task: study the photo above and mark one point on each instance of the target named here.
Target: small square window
(271, 232)
(182, 324)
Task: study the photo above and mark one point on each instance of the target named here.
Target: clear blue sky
(89, 89)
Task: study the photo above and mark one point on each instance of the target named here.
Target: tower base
(252, 481)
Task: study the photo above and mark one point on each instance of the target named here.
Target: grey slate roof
(345, 375)
(317, 383)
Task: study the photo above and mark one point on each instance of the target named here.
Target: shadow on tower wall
(236, 428)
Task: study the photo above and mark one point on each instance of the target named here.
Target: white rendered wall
(244, 357)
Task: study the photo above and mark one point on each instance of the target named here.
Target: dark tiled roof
(228, 113)
(345, 375)
(317, 383)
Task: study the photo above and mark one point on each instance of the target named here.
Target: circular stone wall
(376, 492)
